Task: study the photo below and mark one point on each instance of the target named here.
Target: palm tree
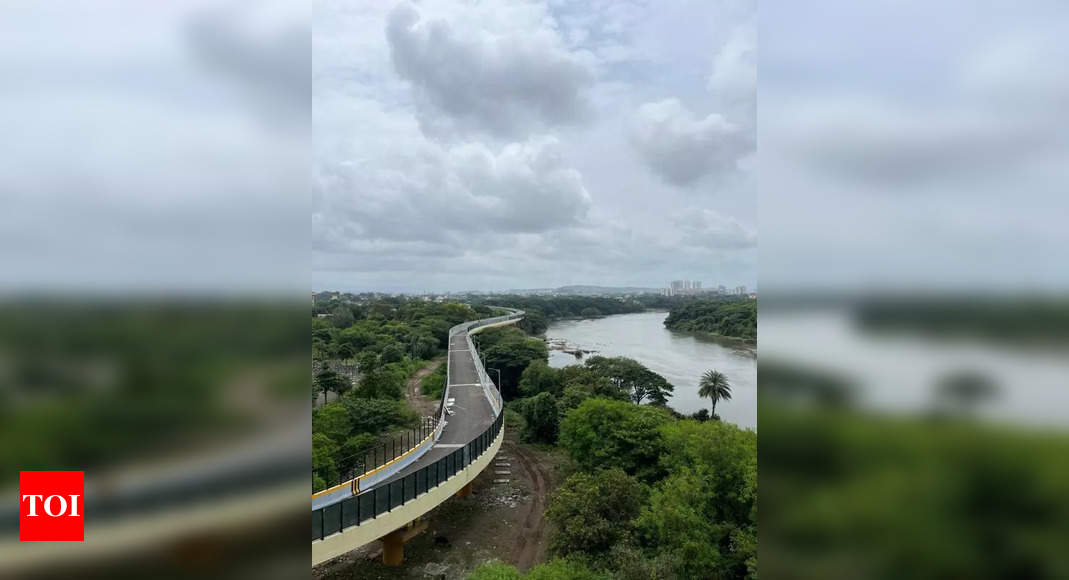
(715, 386)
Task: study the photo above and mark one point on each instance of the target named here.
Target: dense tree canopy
(553, 307)
(704, 513)
(509, 350)
(723, 317)
(632, 378)
(541, 416)
(539, 377)
(594, 511)
(602, 434)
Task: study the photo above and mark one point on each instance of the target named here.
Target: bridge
(388, 503)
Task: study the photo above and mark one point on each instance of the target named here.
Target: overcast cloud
(528, 144)
(936, 162)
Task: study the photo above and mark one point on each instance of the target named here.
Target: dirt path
(422, 405)
(531, 545)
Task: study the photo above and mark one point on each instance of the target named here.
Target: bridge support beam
(464, 491)
(393, 543)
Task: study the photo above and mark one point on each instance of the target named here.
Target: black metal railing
(358, 464)
(372, 503)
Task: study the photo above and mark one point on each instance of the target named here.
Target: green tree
(714, 385)
(333, 421)
(342, 317)
(356, 337)
(346, 351)
(423, 346)
(542, 418)
(367, 361)
(601, 433)
(329, 381)
(632, 378)
(379, 383)
(573, 396)
(594, 511)
(533, 322)
(376, 416)
(509, 350)
(392, 353)
(353, 450)
(724, 316)
(704, 514)
(325, 471)
(539, 377)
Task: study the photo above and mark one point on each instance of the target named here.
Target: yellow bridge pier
(393, 544)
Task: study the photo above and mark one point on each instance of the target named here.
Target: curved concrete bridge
(387, 504)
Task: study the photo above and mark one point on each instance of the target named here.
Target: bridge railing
(374, 456)
(376, 501)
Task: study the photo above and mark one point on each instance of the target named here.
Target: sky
(494, 145)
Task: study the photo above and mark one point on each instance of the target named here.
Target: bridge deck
(472, 414)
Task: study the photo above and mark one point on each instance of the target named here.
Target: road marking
(467, 385)
(449, 445)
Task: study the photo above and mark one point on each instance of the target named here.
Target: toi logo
(51, 506)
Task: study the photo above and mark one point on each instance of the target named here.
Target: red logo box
(51, 506)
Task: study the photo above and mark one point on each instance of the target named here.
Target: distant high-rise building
(677, 286)
(697, 284)
(721, 289)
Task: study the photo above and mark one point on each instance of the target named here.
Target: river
(898, 372)
(679, 357)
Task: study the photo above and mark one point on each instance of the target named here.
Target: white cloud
(467, 80)
(733, 82)
(683, 148)
(444, 191)
(705, 228)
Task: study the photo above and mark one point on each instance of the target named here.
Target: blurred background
(914, 284)
(154, 169)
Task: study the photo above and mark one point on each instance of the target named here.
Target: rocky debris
(502, 495)
(436, 571)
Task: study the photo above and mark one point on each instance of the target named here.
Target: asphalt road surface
(472, 414)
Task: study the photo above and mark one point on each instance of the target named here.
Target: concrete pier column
(393, 543)
(393, 548)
